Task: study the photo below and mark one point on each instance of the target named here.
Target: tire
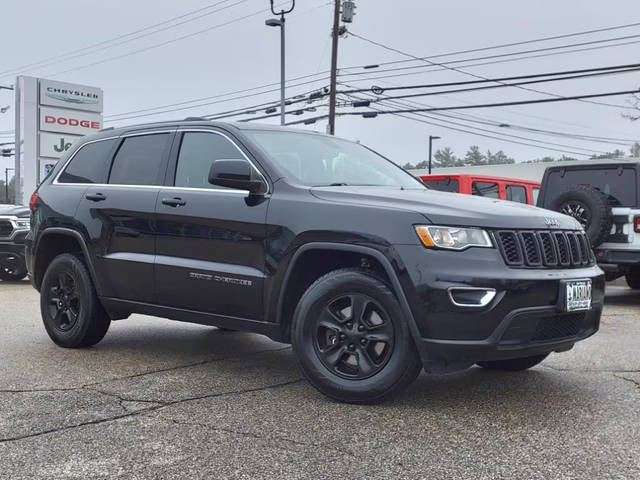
(633, 279)
(13, 273)
(514, 364)
(590, 208)
(71, 312)
(350, 309)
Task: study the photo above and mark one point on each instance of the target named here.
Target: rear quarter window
(445, 185)
(90, 164)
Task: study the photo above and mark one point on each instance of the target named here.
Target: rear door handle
(96, 197)
(174, 202)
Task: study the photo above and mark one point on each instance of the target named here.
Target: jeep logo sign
(551, 222)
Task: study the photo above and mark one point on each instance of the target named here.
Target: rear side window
(617, 184)
(198, 151)
(517, 193)
(140, 159)
(90, 164)
(445, 185)
(485, 189)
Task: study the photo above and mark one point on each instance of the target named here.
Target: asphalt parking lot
(161, 399)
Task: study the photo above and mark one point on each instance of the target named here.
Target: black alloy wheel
(13, 269)
(577, 210)
(71, 310)
(354, 336)
(64, 302)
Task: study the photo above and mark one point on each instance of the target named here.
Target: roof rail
(193, 119)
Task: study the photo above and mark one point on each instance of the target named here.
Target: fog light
(471, 297)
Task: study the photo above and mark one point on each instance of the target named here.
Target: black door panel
(210, 252)
(121, 231)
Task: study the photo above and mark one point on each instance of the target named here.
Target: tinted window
(617, 184)
(198, 151)
(446, 185)
(536, 193)
(485, 189)
(517, 193)
(139, 160)
(90, 164)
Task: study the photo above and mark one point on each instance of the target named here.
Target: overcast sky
(245, 54)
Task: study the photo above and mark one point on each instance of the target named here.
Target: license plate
(577, 295)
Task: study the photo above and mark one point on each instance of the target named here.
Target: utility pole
(431, 139)
(348, 11)
(335, 34)
(6, 184)
(274, 22)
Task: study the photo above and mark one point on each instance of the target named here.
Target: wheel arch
(283, 316)
(47, 248)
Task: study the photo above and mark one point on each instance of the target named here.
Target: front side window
(198, 151)
(536, 193)
(485, 189)
(139, 160)
(90, 164)
(517, 193)
(318, 160)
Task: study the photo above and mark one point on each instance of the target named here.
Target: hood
(443, 208)
(14, 210)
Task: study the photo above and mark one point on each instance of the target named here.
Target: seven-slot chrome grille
(544, 248)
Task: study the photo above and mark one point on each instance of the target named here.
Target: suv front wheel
(352, 340)
(71, 311)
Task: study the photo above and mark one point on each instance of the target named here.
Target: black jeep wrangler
(14, 226)
(605, 199)
(307, 239)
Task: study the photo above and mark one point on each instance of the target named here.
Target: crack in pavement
(631, 380)
(147, 410)
(591, 370)
(141, 374)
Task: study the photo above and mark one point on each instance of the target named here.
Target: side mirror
(234, 174)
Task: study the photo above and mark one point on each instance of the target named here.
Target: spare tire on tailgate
(589, 207)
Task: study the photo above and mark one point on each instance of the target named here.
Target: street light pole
(274, 22)
(431, 139)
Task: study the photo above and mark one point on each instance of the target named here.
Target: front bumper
(522, 319)
(12, 253)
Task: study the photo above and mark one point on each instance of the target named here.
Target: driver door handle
(174, 202)
(96, 197)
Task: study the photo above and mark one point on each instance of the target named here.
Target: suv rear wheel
(352, 340)
(71, 311)
(514, 364)
(633, 278)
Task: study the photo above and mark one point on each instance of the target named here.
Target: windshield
(316, 160)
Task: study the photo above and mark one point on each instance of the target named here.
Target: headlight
(21, 224)
(453, 238)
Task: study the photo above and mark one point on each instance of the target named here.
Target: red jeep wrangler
(516, 190)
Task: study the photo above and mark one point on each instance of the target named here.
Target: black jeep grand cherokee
(307, 239)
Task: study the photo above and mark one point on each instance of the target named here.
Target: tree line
(445, 157)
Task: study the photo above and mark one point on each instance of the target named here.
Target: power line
(371, 114)
(513, 44)
(502, 85)
(502, 134)
(105, 43)
(167, 42)
(386, 47)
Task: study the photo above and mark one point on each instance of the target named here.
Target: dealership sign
(50, 117)
(67, 95)
(53, 145)
(69, 121)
